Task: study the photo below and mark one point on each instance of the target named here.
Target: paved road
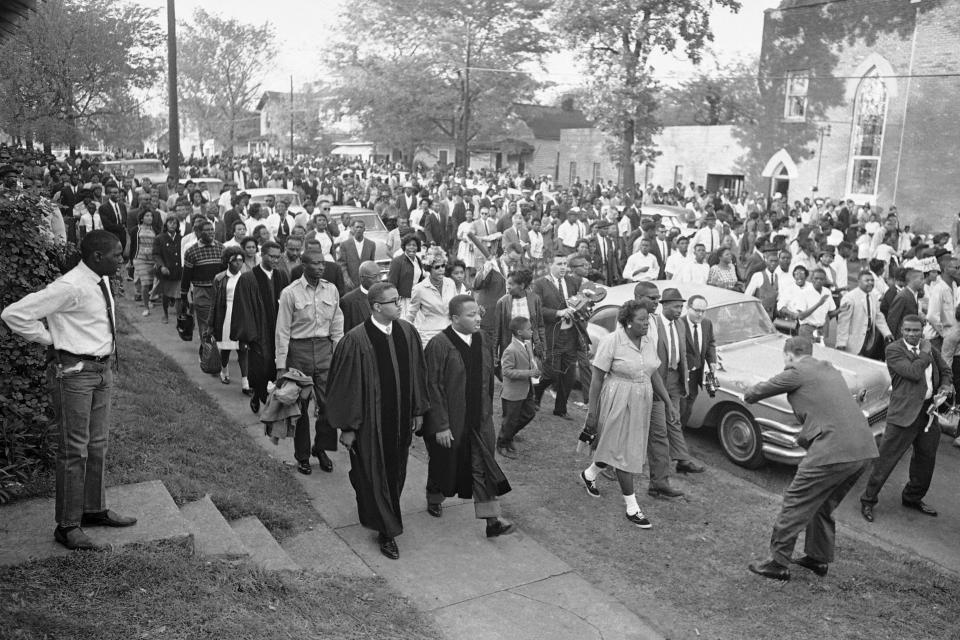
(935, 539)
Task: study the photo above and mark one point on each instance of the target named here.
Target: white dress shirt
(638, 261)
(75, 310)
(387, 329)
(692, 271)
(466, 337)
(928, 372)
(709, 237)
(675, 261)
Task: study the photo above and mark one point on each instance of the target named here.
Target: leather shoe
(499, 528)
(689, 466)
(76, 540)
(304, 468)
(819, 568)
(436, 510)
(255, 404)
(106, 519)
(562, 414)
(770, 569)
(388, 547)
(664, 492)
(866, 510)
(920, 506)
(507, 450)
(326, 464)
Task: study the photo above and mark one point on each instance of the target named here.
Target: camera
(710, 383)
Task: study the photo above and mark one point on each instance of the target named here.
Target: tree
(728, 94)
(615, 39)
(222, 63)
(432, 67)
(74, 61)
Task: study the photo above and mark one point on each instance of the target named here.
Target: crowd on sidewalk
(369, 345)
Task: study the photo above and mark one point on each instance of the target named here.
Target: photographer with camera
(701, 362)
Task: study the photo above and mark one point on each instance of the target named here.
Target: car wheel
(740, 439)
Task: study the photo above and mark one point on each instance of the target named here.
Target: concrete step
(265, 551)
(324, 551)
(213, 537)
(26, 528)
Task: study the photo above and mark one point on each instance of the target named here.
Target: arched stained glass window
(869, 117)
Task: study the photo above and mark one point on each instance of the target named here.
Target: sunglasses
(439, 266)
(391, 301)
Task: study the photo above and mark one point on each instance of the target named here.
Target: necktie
(711, 239)
(696, 339)
(284, 229)
(869, 315)
(113, 328)
(562, 288)
(116, 211)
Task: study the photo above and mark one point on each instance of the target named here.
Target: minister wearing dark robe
(254, 320)
(356, 305)
(458, 429)
(376, 393)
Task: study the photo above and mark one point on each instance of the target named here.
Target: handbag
(209, 354)
(786, 326)
(873, 344)
(185, 326)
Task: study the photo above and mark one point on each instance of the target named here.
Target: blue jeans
(81, 406)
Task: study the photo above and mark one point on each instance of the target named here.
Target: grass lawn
(165, 428)
(166, 593)
(688, 575)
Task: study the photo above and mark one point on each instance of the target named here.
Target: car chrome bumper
(781, 447)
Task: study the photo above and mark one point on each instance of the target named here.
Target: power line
(737, 76)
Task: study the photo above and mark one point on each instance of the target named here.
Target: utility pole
(173, 116)
(291, 118)
(824, 131)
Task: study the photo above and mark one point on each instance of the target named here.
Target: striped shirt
(201, 264)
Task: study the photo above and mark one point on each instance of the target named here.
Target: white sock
(631, 502)
(591, 472)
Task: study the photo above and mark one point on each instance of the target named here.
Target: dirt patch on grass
(688, 575)
(164, 428)
(166, 593)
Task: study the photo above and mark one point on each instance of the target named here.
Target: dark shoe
(304, 468)
(507, 450)
(770, 569)
(499, 528)
(664, 492)
(106, 519)
(689, 466)
(436, 510)
(388, 547)
(920, 506)
(255, 404)
(326, 464)
(76, 540)
(590, 486)
(639, 519)
(866, 510)
(562, 414)
(819, 568)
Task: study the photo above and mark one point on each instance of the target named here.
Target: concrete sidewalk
(475, 588)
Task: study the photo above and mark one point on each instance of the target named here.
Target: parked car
(671, 217)
(750, 350)
(260, 196)
(142, 168)
(211, 187)
(374, 228)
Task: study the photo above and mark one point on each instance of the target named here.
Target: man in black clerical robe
(458, 429)
(254, 320)
(376, 392)
(355, 305)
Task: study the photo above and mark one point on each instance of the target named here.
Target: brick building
(858, 100)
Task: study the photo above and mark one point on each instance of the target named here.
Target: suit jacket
(552, 301)
(512, 236)
(355, 307)
(402, 207)
(517, 368)
(113, 224)
(350, 260)
(435, 228)
(609, 264)
(401, 275)
(664, 355)
(751, 265)
(852, 323)
(662, 259)
(697, 356)
(903, 305)
(503, 314)
(909, 381)
(887, 299)
(834, 429)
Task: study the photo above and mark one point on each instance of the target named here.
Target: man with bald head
(355, 305)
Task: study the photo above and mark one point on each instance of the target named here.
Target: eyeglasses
(439, 266)
(391, 301)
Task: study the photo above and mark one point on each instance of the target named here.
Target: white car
(260, 196)
(210, 187)
(142, 168)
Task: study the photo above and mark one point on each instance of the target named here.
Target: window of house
(596, 172)
(442, 157)
(796, 101)
(869, 117)
(573, 173)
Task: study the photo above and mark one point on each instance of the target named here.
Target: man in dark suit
(701, 352)
(608, 254)
(407, 202)
(917, 373)
(113, 214)
(839, 445)
(355, 305)
(353, 251)
(435, 227)
(660, 247)
(561, 336)
(906, 302)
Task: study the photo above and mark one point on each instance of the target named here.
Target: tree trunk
(627, 177)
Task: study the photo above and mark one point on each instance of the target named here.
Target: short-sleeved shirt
(617, 355)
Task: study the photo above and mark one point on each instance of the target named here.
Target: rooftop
(546, 122)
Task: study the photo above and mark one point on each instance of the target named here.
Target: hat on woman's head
(434, 255)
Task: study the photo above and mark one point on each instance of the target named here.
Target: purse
(873, 344)
(209, 355)
(185, 326)
(784, 325)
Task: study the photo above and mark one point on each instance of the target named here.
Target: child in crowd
(520, 374)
